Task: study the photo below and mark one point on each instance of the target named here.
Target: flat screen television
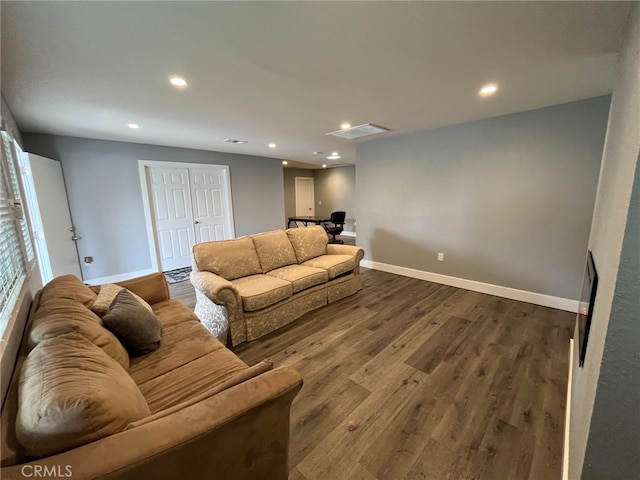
(587, 301)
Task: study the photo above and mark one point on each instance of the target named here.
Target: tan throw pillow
(108, 293)
(72, 393)
(138, 329)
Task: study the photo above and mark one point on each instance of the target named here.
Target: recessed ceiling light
(324, 165)
(284, 162)
(488, 90)
(177, 81)
(345, 126)
(133, 126)
(272, 145)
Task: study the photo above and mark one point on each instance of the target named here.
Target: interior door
(55, 242)
(172, 216)
(305, 201)
(209, 196)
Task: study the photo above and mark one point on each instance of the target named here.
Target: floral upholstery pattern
(301, 277)
(274, 250)
(260, 291)
(308, 242)
(229, 259)
(335, 265)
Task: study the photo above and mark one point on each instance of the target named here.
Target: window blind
(15, 241)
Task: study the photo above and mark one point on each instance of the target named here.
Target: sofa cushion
(58, 317)
(260, 291)
(191, 379)
(137, 327)
(72, 393)
(182, 342)
(335, 265)
(301, 276)
(229, 259)
(274, 250)
(308, 242)
(69, 287)
(107, 295)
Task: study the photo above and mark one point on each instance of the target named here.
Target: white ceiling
(289, 72)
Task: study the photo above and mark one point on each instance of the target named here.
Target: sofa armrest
(338, 249)
(241, 432)
(152, 288)
(220, 292)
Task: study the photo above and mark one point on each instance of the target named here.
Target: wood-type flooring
(410, 379)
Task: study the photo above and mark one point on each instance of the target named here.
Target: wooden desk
(306, 220)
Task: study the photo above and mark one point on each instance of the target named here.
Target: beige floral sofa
(256, 284)
(80, 405)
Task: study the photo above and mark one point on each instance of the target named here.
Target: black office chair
(337, 218)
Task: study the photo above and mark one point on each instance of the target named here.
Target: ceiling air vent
(358, 131)
(233, 140)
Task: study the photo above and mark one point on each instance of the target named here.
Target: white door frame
(143, 165)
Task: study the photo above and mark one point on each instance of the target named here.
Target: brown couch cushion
(308, 242)
(300, 276)
(137, 327)
(335, 265)
(229, 259)
(72, 393)
(57, 317)
(191, 379)
(260, 291)
(274, 250)
(69, 287)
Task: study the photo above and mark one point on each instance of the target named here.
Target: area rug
(178, 275)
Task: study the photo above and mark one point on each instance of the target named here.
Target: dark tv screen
(587, 300)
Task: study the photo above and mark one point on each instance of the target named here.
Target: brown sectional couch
(256, 284)
(80, 406)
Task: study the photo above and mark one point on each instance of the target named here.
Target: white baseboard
(118, 278)
(567, 416)
(348, 234)
(497, 290)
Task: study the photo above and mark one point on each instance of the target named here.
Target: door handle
(197, 222)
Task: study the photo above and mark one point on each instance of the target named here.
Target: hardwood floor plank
(338, 451)
(449, 335)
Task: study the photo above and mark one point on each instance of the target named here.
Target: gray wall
(604, 439)
(336, 189)
(105, 196)
(613, 448)
(508, 200)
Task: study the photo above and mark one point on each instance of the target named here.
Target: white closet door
(211, 213)
(173, 217)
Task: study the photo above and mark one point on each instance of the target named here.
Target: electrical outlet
(440, 257)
